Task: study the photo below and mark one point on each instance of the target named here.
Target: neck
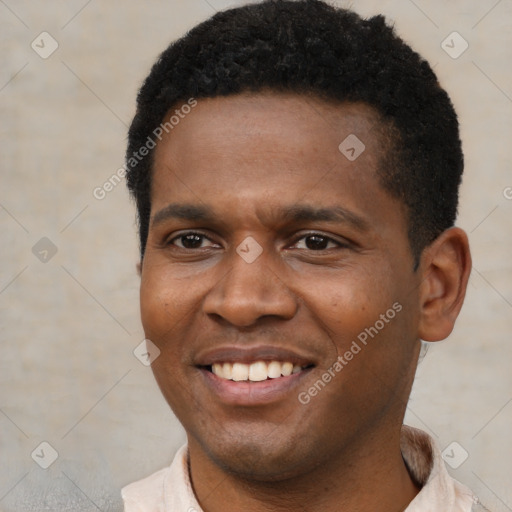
(365, 477)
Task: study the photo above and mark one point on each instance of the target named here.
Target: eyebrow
(184, 212)
(302, 213)
(294, 213)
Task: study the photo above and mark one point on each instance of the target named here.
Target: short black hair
(309, 47)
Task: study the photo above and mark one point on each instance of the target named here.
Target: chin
(265, 458)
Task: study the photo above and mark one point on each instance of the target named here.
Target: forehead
(267, 149)
(294, 123)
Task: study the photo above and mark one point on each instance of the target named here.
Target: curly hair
(311, 48)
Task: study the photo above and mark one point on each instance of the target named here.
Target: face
(270, 252)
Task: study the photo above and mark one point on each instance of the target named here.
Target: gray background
(69, 325)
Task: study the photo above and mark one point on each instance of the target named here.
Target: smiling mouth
(255, 372)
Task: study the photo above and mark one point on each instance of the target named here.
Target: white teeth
(218, 370)
(227, 370)
(287, 369)
(240, 372)
(258, 371)
(255, 372)
(274, 369)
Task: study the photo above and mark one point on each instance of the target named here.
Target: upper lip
(248, 355)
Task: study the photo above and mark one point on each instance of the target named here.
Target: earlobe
(445, 268)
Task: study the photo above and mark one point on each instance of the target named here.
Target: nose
(249, 291)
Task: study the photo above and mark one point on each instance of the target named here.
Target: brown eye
(316, 242)
(191, 241)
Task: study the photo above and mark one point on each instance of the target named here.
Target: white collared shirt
(170, 489)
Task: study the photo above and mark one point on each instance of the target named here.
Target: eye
(191, 240)
(317, 242)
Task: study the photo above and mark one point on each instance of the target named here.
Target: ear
(445, 267)
(139, 268)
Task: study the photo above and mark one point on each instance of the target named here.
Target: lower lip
(253, 393)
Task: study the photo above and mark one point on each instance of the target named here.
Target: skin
(247, 157)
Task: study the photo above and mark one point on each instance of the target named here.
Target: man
(296, 170)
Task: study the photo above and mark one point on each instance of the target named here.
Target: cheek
(370, 327)
(349, 300)
(163, 301)
(154, 307)
(164, 307)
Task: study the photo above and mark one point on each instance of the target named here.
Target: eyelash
(340, 245)
(183, 235)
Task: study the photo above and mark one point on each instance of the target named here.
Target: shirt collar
(170, 489)
(439, 491)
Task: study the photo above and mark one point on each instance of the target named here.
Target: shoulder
(146, 494)
(166, 490)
